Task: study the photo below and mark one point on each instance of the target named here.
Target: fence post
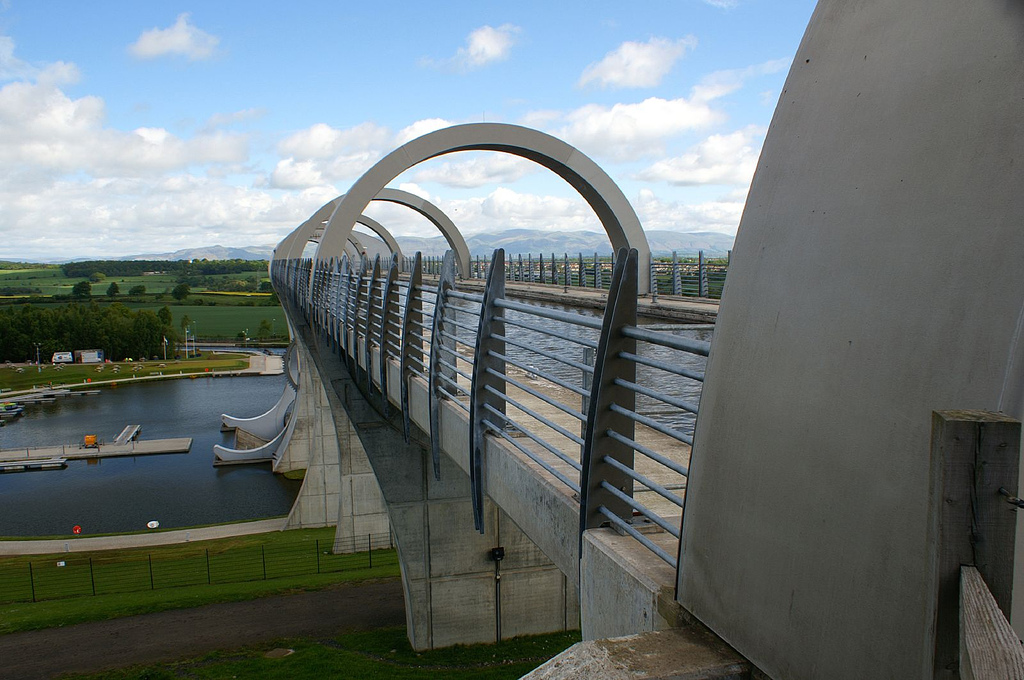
(318, 555)
(677, 283)
(565, 274)
(92, 577)
(209, 580)
(554, 270)
(263, 555)
(369, 548)
(974, 466)
(152, 585)
(654, 283)
(702, 275)
(32, 581)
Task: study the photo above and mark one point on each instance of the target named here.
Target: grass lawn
(73, 374)
(142, 580)
(381, 654)
(224, 320)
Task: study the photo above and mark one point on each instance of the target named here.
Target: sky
(133, 127)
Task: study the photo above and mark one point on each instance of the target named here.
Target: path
(185, 633)
(59, 545)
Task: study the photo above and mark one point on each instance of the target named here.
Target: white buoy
(152, 524)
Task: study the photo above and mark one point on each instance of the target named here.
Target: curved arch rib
(602, 194)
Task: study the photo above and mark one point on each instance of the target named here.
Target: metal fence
(75, 575)
(603, 405)
(698, 276)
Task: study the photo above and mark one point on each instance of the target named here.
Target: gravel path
(167, 636)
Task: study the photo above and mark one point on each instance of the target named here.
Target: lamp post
(39, 367)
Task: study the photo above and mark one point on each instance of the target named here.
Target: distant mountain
(524, 241)
(208, 253)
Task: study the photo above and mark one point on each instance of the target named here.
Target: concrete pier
(76, 452)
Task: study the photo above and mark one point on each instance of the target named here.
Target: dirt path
(166, 636)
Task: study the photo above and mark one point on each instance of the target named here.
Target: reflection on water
(122, 494)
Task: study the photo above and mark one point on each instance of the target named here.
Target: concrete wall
(339, 487)
(876, 276)
(453, 593)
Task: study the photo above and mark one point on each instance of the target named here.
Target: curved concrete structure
(594, 185)
(385, 235)
(265, 426)
(437, 217)
(876, 277)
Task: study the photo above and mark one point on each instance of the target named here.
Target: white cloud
(630, 131)
(635, 64)
(720, 159)
(489, 168)
(219, 120)
(721, 83)
(10, 66)
(484, 45)
(724, 4)
(323, 141)
(42, 128)
(721, 216)
(182, 38)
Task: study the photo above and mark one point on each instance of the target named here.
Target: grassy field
(223, 321)
(381, 654)
(184, 575)
(51, 281)
(73, 374)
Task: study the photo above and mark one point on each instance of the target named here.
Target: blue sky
(129, 127)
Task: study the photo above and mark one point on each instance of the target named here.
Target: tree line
(119, 331)
(87, 268)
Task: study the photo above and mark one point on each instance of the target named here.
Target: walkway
(49, 546)
(186, 633)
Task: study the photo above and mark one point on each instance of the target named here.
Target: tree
(181, 291)
(185, 322)
(96, 277)
(164, 314)
(265, 330)
(138, 290)
(113, 289)
(82, 289)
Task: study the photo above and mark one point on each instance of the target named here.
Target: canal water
(123, 494)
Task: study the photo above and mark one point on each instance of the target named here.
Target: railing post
(488, 387)
(598, 274)
(654, 282)
(677, 283)
(702, 275)
(411, 346)
(520, 279)
(371, 296)
(92, 577)
(554, 270)
(565, 274)
(975, 457)
(388, 317)
(609, 366)
(445, 282)
(540, 267)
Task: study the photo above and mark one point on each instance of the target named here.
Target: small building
(88, 356)
(62, 358)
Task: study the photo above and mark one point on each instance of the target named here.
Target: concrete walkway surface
(59, 545)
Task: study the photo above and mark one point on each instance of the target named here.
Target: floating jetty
(56, 457)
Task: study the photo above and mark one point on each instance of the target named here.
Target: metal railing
(76, 575)
(604, 406)
(698, 276)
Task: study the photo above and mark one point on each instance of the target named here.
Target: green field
(74, 374)
(222, 320)
(51, 281)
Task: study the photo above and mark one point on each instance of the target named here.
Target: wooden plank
(974, 454)
(989, 648)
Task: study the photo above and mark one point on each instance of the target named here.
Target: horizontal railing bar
(455, 338)
(500, 431)
(454, 399)
(558, 453)
(469, 297)
(551, 334)
(643, 479)
(453, 322)
(457, 386)
(553, 314)
(540, 395)
(417, 336)
(544, 353)
(653, 424)
(665, 340)
(641, 508)
(629, 529)
(533, 414)
(650, 453)
(533, 370)
(647, 392)
(419, 373)
(669, 368)
(455, 369)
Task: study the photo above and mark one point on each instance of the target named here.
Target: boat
(9, 409)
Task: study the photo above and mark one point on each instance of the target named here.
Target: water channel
(123, 494)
